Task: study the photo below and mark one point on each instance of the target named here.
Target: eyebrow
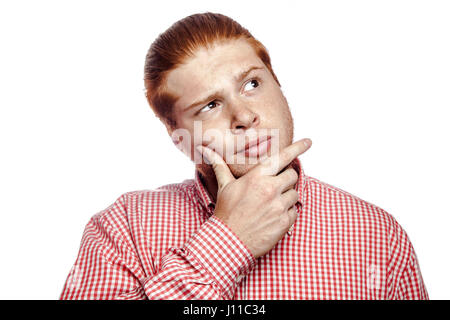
(210, 97)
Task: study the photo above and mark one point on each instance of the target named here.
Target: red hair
(180, 42)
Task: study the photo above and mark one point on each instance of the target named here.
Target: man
(251, 225)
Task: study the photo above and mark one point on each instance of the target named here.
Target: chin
(238, 170)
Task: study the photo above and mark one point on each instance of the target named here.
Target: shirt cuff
(222, 254)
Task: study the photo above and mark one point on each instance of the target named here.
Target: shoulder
(363, 215)
(183, 191)
(353, 207)
(344, 199)
(146, 201)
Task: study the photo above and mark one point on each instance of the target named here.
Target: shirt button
(239, 278)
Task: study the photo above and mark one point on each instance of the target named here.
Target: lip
(256, 141)
(257, 147)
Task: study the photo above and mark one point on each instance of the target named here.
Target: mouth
(257, 147)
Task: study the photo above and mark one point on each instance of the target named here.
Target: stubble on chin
(238, 170)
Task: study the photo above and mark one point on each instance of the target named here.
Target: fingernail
(307, 142)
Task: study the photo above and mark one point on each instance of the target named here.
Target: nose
(243, 119)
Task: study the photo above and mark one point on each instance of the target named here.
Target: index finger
(275, 163)
(221, 170)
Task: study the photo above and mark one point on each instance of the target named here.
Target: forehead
(210, 69)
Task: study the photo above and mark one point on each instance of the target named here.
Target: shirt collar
(209, 204)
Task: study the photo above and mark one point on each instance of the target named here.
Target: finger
(276, 162)
(221, 170)
(290, 198)
(292, 213)
(287, 179)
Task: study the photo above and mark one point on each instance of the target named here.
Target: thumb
(221, 170)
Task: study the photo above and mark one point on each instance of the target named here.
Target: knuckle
(284, 157)
(278, 207)
(253, 183)
(268, 190)
(295, 195)
(215, 166)
(294, 174)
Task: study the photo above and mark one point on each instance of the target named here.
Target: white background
(367, 81)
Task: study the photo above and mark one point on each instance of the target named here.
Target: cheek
(273, 102)
(275, 114)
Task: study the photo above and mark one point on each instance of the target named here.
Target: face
(229, 101)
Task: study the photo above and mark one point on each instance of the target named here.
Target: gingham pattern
(166, 244)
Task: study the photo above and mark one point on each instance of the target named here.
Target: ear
(170, 128)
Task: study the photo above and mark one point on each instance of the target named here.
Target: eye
(253, 83)
(208, 107)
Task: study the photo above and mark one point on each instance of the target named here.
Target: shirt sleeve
(406, 278)
(207, 266)
(411, 285)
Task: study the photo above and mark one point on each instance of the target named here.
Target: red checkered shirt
(167, 244)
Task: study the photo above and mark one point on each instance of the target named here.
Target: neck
(209, 180)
